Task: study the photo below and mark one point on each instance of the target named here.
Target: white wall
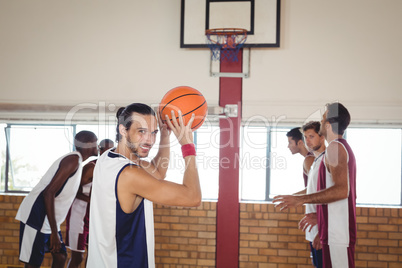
(118, 52)
(345, 50)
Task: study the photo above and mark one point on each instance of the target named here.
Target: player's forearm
(49, 207)
(329, 195)
(162, 158)
(192, 182)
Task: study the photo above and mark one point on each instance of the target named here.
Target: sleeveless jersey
(32, 210)
(312, 188)
(337, 220)
(305, 174)
(78, 213)
(117, 239)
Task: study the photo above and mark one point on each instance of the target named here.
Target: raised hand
(183, 133)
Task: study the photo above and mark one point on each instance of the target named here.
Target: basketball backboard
(261, 19)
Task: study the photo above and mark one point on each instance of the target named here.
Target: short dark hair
(106, 143)
(82, 139)
(338, 116)
(314, 125)
(124, 115)
(295, 134)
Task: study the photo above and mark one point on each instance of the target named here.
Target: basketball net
(225, 43)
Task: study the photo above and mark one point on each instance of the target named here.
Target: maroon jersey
(337, 220)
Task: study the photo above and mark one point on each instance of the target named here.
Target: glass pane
(32, 150)
(2, 157)
(378, 160)
(253, 163)
(208, 139)
(286, 169)
(176, 164)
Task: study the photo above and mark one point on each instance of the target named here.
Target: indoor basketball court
(249, 71)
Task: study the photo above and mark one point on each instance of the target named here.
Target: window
(378, 155)
(31, 150)
(378, 160)
(206, 139)
(27, 151)
(268, 167)
(254, 163)
(2, 157)
(286, 175)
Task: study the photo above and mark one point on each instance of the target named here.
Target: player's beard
(136, 150)
(316, 148)
(133, 148)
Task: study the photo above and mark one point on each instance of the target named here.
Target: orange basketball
(189, 101)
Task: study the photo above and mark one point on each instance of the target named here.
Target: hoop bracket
(246, 65)
(230, 110)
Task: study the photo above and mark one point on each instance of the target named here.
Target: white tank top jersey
(312, 188)
(32, 210)
(117, 239)
(78, 211)
(337, 220)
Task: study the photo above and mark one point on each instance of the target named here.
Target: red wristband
(188, 149)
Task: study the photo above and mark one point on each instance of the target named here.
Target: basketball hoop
(225, 43)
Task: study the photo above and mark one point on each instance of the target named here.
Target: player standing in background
(336, 196)
(45, 208)
(105, 145)
(296, 145)
(316, 143)
(77, 221)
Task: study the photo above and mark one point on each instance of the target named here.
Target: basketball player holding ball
(121, 225)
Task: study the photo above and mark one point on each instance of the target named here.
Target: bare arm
(68, 166)
(307, 163)
(135, 181)
(336, 161)
(86, 177)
